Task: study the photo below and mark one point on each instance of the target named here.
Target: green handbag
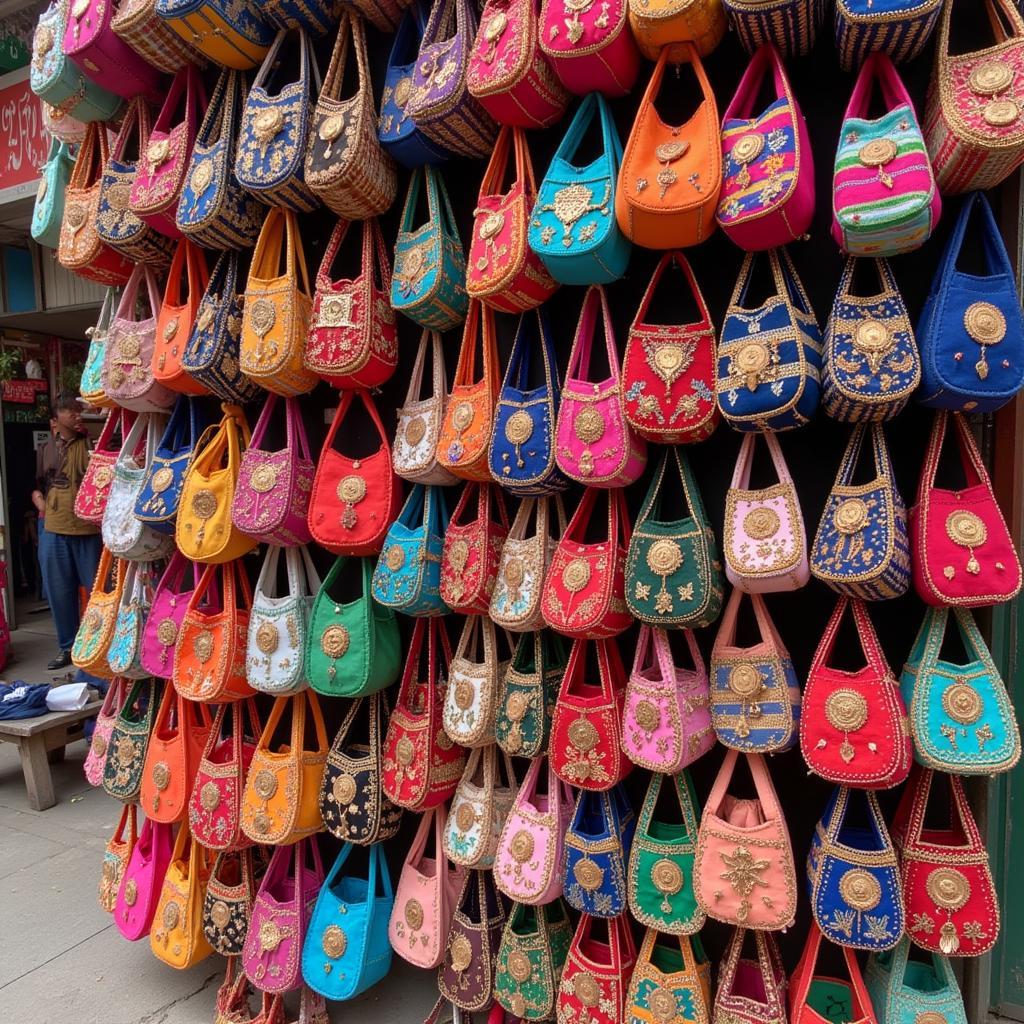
(659, 880)
(129, 741)
(352, 645)
(534, 947)
(48, 211)
(673, 572)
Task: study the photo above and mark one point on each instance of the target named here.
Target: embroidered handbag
(384, 15)
(974, 315)
(352, 801)
(94, 491)
(228, 901)
(143, 876)
(701, 22)
(355, 499)
(271, 498)
(95, 759)
(755, 694)
(116, 855)
(345, 165)
(963, 553)
(587, 720)
(765, 542)
(596, 973)
(126, 751)
(91, 385)
(353, 338)
(769, 355)
(136, 23)
(885, 199)
(659, 879)
(902, 31)
(571, 229)
(472, 695)
(812, 996)
(316, 16)
(669, 978)
(527, 693)
(949, 701)
(123, 654)
(595, 52)
(767, 196)
(479, 807)
(597, 845)
(853, 723)
(742, 846)
(901, 989)
(96, 630)
(166, 613)
(61, 125)
(230, 35)
(668, 370)
(533, 951)
(472, 549)
(675, 560)
(428, 284)
(751, 991)
(666, 722)
(48, 209)
(592, 411)
(177, 316)
(176, 935)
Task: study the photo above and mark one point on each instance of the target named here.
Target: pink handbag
(143, 879)
(426, 897)
(666, 721)
(166, 613)
(594, 445)
(95, 760)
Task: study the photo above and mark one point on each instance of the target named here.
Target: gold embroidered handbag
(659, 23)
(89, 651)
(471, 700)
(177, 935)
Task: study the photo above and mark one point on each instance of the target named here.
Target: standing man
(69, 547)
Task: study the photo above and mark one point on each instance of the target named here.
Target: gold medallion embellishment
(519, 427)
(330, 128)
(352, 489)
(162, 479)
(220, 914)
(405, 751)
(157, 153)
(458, 554)
(171, 915)
(170, 329)
(1000, 113)
(846, 710)
(761, 523)
(414, 914)
(647, 715)
(589, 425)
(667, 877)
(161, 775)
(99, 745)
(267, 637)
(204, 504)
(991, 77)
(962, 702)
(576, 575)
(521, 846)
(877, 152)
(403, 88)
(462, 415)
(465, 817)
(201, 178)
(491, 225)
(986, 325)
(394, 559)
(270, 936)
(266, 125)
(588, 874)
(745, 681)
(588, 991)
(104, 475)
(75, 215)
(519, 966)
(131, 892)
(344, 789)
(748, 148)
(873, 340)
(751, 361)
(415, 431)
(583, 734)
(860, 889)
(851, 515)
(463, 694)
(966, 529)
(209, 796)
(948, 889)
(663, 1005)
(264, 478)
(202, 646)
(516, 706)
(461, 953)
(265, 784)
(334, 641)
(664, 557)
(334, 942)
(930, 1017)
(262, 316)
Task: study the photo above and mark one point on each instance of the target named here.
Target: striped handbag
(791, 26)
(899, 28)
(137, 24)
(231, 34)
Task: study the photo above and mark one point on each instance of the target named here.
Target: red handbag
(586, 725)
(948, 892)
(353, 339)
(584, 590)
(472, 550)
(596, 975)
(853, 725)
(422, 766)
(849, 997)
(668, 370)
(962, 551)
(355, 498)
(91, 499)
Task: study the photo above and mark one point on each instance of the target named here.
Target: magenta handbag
(113, 701)
(170, 599)
(143, 879)
(272, 494)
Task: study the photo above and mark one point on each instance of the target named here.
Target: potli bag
(95, 759)
(534, 947)
(91, 384)
(136, 23)
(791, 26)
(527, 694)
(812, 995)
(167, 611)
(177, 316)
(597, 971)
(143, 876)
(597, 845)
(901, 989)
(751, 991)
(48, 208)
(116, 855)
(123, 654)
(901, 31)
(591, 49)
(472, 549)
(122, 533)
(660, 24)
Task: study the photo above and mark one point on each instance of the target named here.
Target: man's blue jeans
(68, 562)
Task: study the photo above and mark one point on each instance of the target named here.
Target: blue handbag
(521, 456)
(408, 573)
(346, 949)
(231, 33)
(853, 875)
(769, 355)
(961, 718)
(48, 211)
(573, 228)
(317, 17)
(871, 364)
(905, 991)
(90, 386)
(899, 28)
(597, 845)
(971, 330)
(791, 26)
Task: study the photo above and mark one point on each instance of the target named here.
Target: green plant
(71, 378)
(10, 364)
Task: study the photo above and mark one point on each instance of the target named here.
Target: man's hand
(39, 501)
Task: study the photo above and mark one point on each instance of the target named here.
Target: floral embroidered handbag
(472, 695)
(769, 355)
(742, 846)
(123, 654)
(143, 876)
(94, 491)
(177, 316)
(752, 991)
(902, 31)
(126, 751)
(533, 951)
(48, 208)
(527, 694)
(572, 229)
(658, 25)
(596, 974)
(414, 453)
(96, 630)
(479, 808)
(673, 561)
(95, 759)
(961, 718)
(813, 997)
(666, 721)
(597, 845)
(755, 694)
(885, 199)
(166, 613)
(116, 855)
(963, 553)
(659, 880)
(853, 723)
(589, 48)
(136, 23)
(472, 549)
(228, 901)
(428, 284)
(231, 36)
(683, 162)
(767, 196)
(668, 979)
(972, 323)
(668, 370)
(91, 385)
(901, 989)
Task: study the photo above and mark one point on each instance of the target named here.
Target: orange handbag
(671, 175)
(96, 630)
(176, 317)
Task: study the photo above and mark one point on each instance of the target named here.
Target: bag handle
(762, 784)
(113, 698)
(726, 635)
(652, 640)
(218, 120)
(996, 256)
(970, 458)
(675, 258)
(878, 68)
(430, 821)
(431, 340)
(110, 423)
(189, 256)
(866, 636)
(579, 357)
(440, 20)
(93, 146)
(745, 459)
(765, 59)
(803, 976)
(136, 119)
(106, 312)
(479, 320)
(767, 955)
(308, 696)
(996, 10)
(350, 32)
(693, 505)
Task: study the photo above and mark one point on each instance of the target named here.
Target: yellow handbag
(277, 307)
(177, 935)
(204, 531)
(658, 23)
(96, 630)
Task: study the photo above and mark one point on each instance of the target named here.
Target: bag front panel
(764, 538)
(352, 800)
(414, 452)
(755, 701)
(209, 655)
(466, 430)
(584, 591)
(516, 597)
(899, 28)
(469, 565)
(526, 702)
(215, 807)
(408, 573)
(119, 226)
(272, 496)
(421, 765)
(177, 936)
(428, 283)
(595, 445)
(474, 824)
(530, 961)
(80, 249)
(470, 700)
(595, 863)
(274, 650)
(585, 748)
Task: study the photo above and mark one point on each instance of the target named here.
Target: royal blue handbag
(573, 227)
(597, 845)
(853, 875)
(769, 354)
(48, 211)
(898, 28)
(521, 456)
(905, 991)
(346, 949)
(971, 330)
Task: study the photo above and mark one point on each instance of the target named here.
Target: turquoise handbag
(597, 845)
(408, 573)
(961, 717)
(346, 949)
(905, 991)
(573, 228)
(48, 211)
(91, 384)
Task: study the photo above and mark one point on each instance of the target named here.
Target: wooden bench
(42, 740)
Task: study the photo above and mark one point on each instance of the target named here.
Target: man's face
(69, 420)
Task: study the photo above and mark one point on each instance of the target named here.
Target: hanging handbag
(534, 946)
(683, 161)
(479, 807)
(755, 693)
(885, 199)
(973, 315)
(142, 880)
(666, 721)
(428, 284)
(814, 997)
(91, 385)
(228, 902)
(384, 15)
(315, 16)
(590, 49)
(96, 629)
(95, 759)
(472, 549)
(271, 497)
(177, 316)
(769, 355)
(596, 973)
(136, 23)
(791, 26)
(853, 723)
(665, 22)
(668, 370)
(94, 491)
(767, 196)
(231, 36)
(751, 990)
(676, 560)
(668, 979)
(901, 989)
(129, 740)
(166, 613)
(48, 208)
(597, 845)
(659, 878)
(527, 693)
(963, 553)
(116, 855)
(471, 698)
(124, 651)
(58, 123)
(901, 32)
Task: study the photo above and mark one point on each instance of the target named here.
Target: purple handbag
(166, 613)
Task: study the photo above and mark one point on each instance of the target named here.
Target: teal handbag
(346, 949)
(48, 211)
(905, 991)
(529, 690)
(961, 717)
(91, 385)
(573, 228)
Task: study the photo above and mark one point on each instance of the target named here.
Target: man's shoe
(61, 661)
